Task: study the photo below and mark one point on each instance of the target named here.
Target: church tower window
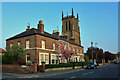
(69, 25)
(66, 26)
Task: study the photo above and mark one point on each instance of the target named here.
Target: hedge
(62, 65)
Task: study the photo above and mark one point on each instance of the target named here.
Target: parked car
(92, 65)
(116, 62)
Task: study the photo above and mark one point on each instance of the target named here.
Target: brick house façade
(40, 45)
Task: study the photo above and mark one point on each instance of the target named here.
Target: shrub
(7, 59)
(29, 63)
(21, 62)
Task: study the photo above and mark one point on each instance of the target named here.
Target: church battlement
(71, 16)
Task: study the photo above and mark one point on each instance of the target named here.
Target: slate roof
(34, 31)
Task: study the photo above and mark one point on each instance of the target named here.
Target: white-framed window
(53, 59)
(27, 44)
(41, 57)
(28, 57)
(77, 51)
(19, 43)
(53, 46)
(74, 50)
(80, 51)
(70, 48)
(43, 44)
(65, 60)
(59, 47)
(47, 58)
(11, 44)
(44, 57)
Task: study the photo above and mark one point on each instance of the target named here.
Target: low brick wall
(30, 69)
(16, 69)
(63, 68)
(57, 69)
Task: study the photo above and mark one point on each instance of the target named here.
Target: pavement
(104, 71)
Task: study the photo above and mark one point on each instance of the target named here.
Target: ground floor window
(65, 60)
(56, 61)
(47, 59)
(59, 60)
(28, 57)
(44, 57)
(76, 59)
(41, 57)
(52, 61)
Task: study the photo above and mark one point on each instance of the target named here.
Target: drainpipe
(35, 48)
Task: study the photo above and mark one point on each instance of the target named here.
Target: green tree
(13, 54)
(86, 58)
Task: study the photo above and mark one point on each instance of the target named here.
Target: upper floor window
(80, 51)
(43, 44)
(77, 51)
(11, 44)
(19, 43)
(70, 48)
(74, 50)
(53, 46)
(65, 47)
(59, 47)
(27, 44)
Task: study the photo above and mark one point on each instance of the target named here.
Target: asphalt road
(106, 71)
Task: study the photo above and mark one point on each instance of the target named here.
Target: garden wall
(16, 69)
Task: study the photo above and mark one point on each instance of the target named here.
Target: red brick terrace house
(2, 51)
(40, 45)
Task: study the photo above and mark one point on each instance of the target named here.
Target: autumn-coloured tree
(63, 49)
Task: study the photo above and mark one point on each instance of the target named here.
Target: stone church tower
(70, 28)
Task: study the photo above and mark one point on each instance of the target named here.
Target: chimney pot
(28, 28)
(41, 21)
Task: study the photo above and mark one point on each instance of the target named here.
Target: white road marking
(90, 72)
(70, 77)
(87, 73)
(73, 77)
(27, 77)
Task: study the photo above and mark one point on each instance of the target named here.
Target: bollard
(73, 65)
(43, 67)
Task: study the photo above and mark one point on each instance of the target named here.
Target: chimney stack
(41, 26)
(56, 32)
(72, 39)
